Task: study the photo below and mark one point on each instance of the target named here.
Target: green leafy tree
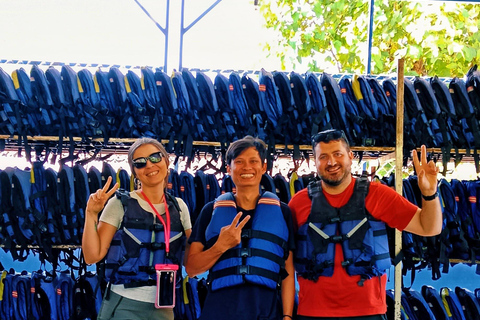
(434, 38)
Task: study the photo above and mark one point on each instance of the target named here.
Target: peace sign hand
(230, 235)
(97, 200)
(426, 172)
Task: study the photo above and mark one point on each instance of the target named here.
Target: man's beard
(337, 182)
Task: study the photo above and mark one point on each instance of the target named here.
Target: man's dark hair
(240, 145)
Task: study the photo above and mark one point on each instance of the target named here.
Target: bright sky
(119, 32)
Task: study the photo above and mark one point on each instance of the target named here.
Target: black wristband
(432, 197)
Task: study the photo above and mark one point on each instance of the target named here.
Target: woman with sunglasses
(136, 231)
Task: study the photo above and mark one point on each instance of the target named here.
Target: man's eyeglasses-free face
(140, 163)
(328, 135)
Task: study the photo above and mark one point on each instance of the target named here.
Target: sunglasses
(329, 135)
(140, 163)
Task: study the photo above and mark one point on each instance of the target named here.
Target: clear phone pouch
(166, 279)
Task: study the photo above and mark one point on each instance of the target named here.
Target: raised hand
(97, 200)
(230, 236)
(426, 172)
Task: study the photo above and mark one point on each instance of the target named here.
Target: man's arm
(199, 261)
(288, 288)
(428, 220)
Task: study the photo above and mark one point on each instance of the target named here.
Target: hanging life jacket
(260, 257)
(364, 239)
(128, 259)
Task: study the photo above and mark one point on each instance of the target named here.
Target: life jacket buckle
(157, 246)
(337, 239)
(243, 270)
(157, 227)
(246, 234)
(245, 252)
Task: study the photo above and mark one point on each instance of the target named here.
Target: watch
(432, 197)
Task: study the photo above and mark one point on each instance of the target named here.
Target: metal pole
(370, 35)
(399, 183)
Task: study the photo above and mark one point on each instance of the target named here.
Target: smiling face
(152, 174)
(333, 162)
(247, 169)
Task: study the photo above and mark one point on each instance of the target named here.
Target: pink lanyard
(166, 226)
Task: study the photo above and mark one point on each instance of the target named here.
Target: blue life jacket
(7, 311)
(196, 107)
(379, 132)
(106, 101)
(169, 122)
(357, 123)
(390, 299)
(191, 301)
(31, 226)
(473, 89)
(267, 183)
(40, 195)
(227, 184)
(128, 260)
(320, 118)
(70, 220)
(12, 119)
(22, 297)
(303, 104)
(45, 303)
(432, 297)
(185, 117)
(469, 303)
(209, 113)
(335, 105)
(63, 284)
(418, 305)
(473, 193)
(413, 246)
(93, 279)
(43, 104)
(363, 238)
(453, 243)
(252, 95)
(240, 105)
(282, 188)
(187, 192)
(465, 113)
(94, 179)
(289, 125)
(441, 122)
(173, 185)
(143, 113)
(84, 299)
(465, 213)
(97, 118)
(68, 125)
(77, 117)
(260, 257)
(225, 107)
(108, 171)
(445, 102)
(125, 109)
(213, 187)
(12, 235)
(452, 304)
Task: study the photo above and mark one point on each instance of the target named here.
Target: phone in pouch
(166, 279)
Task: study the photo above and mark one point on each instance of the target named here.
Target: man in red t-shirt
(348, 294)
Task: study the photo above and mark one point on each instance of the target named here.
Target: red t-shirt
(340, 295)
